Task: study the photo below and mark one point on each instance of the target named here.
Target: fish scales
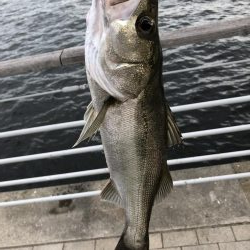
(134, 169)
(123, 60)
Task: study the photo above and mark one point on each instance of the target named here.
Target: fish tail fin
(132, 243)
(121, 245)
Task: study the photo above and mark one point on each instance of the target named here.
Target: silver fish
(123, 59)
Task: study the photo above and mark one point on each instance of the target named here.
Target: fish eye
(145, 25)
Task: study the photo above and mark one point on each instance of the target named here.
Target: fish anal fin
(173, 134)
(93, 120)
(165, 185)
(110, 194)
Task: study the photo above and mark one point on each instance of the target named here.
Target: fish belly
(133, 135)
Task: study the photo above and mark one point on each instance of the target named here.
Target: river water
(29, 27)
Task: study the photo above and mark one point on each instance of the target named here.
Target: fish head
(131, 30)
(125, 33)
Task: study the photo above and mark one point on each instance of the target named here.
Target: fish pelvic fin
(174, 136)
(165, 186)
(93, 120)
(110, 194)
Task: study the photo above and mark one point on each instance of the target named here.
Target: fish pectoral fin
(110, 194)
(93, 120)
(174, 134)
(165, 186)
(89, 111)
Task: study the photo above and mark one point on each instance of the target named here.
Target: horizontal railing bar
(97, 192)
(206, 66)
(216, 131)
(52, 92)
(212, 157)
(40, 129)
(50, 198)
(101, 171)
(205, 33)
(51, 155)
(56, 177)
(210, 104)
(36, 63)
(17, 98)
(92, 149)
(75, 55)
(97, 148)
(74, 124)
(203, 180)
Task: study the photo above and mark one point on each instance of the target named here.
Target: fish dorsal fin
(174, 134)
(93, 120)
(165, 186)
(110, 194)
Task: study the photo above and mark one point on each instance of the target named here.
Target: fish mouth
(124, 65)
(128, 65)
(116, 2)
(120, 9)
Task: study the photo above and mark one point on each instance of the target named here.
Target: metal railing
(75, 55)
(97, 148)
(222, 29)
(97, 192)
(74, 124)
(51, 92)
(102, 171)
(206, 66)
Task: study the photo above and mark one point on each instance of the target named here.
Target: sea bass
(123, 60)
